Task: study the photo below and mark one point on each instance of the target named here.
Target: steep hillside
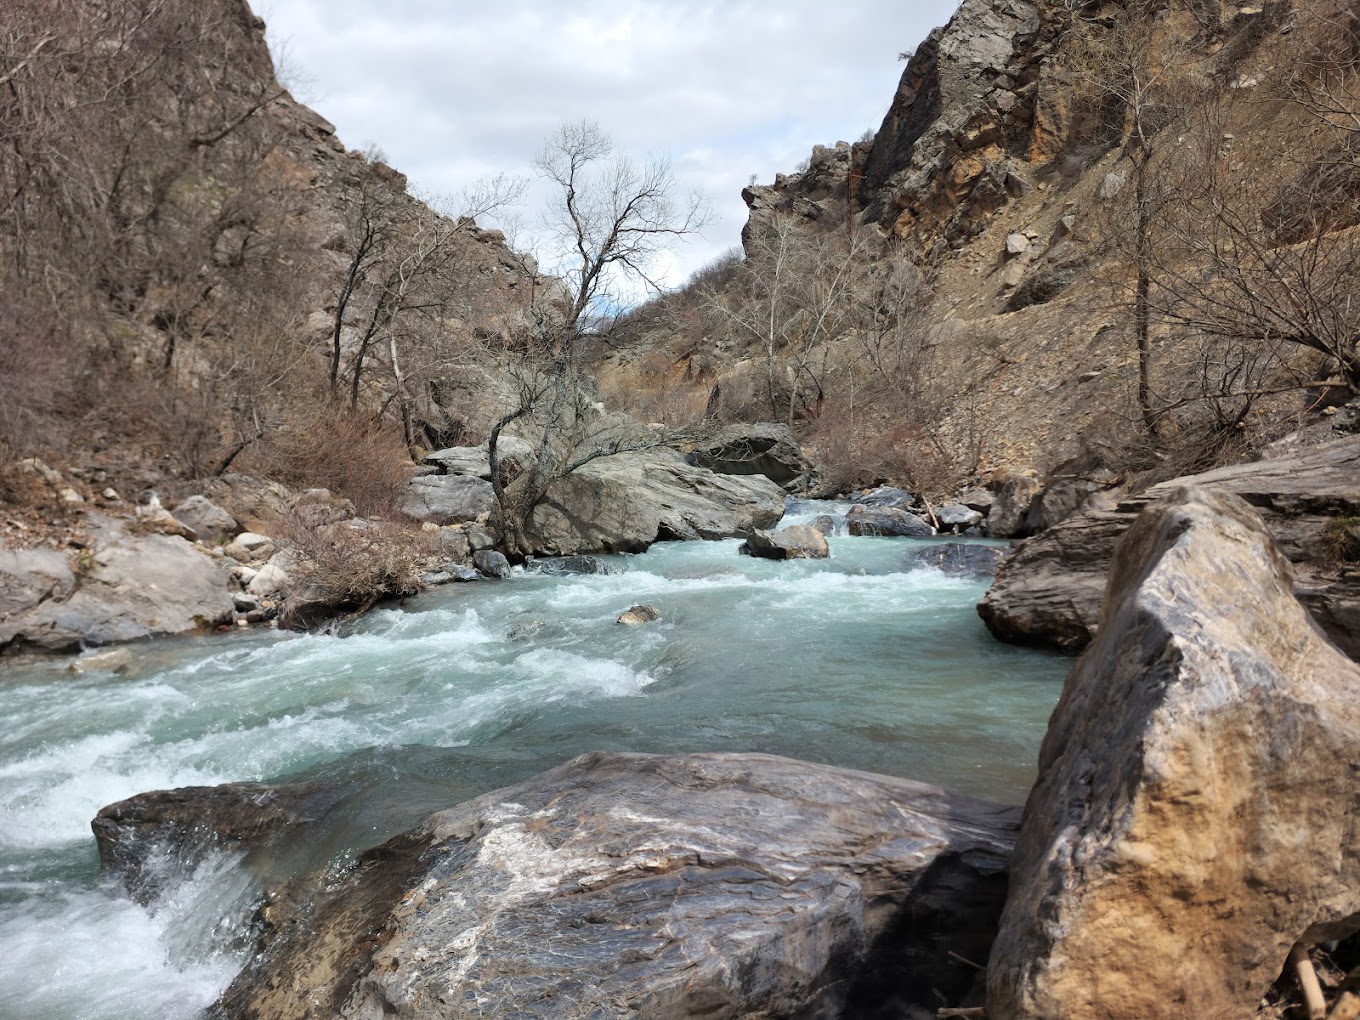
(980, 310)
(195, 273)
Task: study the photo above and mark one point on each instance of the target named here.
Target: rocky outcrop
(1189, 824)
(761, 448)
(1048, 592)
(797, 542)
(123, 587)
(716, 886)
(448, 499)
(626, 502)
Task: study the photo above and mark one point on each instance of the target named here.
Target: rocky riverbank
(1182, 837)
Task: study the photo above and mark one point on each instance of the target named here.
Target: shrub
(33, 366)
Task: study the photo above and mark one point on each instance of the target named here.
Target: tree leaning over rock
(611, 220)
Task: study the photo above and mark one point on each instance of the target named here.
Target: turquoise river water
(865, 660)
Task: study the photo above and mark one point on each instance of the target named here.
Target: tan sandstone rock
(1196, 809)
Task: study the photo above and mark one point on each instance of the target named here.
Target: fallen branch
(1313, 1001)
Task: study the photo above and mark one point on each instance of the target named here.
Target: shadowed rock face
(652, 886)
(1048, 592)
(1195, 813)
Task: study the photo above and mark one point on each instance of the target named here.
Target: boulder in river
(886, 496)
(959, 559)
(563, 566)
(636, 616)
(708, 885)
(491, 563)
(626, 502)
(1194, 815)
(868, 520)
(796, 542)
(1048, 592)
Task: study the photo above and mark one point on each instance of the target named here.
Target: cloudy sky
(453, 90)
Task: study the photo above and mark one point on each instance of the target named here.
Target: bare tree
(612, 217)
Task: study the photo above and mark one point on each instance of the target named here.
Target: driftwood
(1313, 1001)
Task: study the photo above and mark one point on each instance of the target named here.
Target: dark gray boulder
(886, 496)
(491, 563)
(711, 885)
(760, 448)
(866, 520)
(959, 559)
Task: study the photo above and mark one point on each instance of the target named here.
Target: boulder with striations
(1194, 814)
(707, 885)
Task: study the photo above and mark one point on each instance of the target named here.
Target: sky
(452, 90)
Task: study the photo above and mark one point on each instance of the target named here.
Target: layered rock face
(634, 885)
(626, 502)
(1048, 592)
(1194, 815)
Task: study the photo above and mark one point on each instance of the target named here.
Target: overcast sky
(452, 90)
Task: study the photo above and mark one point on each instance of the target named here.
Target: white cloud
(451, 90)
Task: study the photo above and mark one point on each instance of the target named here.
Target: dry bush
(853, 456)
(355, 455)
(350, 564)
(34, 368)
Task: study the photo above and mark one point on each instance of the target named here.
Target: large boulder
(125, 586)
(868, 520)
(1193, 817)
(447, 499)
(796, 542)
(1009, 515)
(626, 502)
(1048, 592)
(760, 448)
(475, 461)
(709, 885)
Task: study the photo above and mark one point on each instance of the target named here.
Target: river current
(867, 660)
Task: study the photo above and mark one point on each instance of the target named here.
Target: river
(867, 660)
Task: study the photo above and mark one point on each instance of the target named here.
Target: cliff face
(1005, 173)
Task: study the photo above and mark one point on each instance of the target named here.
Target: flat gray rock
(447, 499)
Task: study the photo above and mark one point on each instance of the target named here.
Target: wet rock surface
(1189, 824)
(796, 542)
(886, 520)
(634, 885)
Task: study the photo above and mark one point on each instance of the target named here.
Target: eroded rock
(1189, 823)
(716, 886)
(1048, 592)
(866, 520)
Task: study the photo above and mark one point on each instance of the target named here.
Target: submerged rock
(712, 885)
(959, 559)
(562, 566)
(1048, 592)
(796, 542)
(1192, 818)
(635, 616)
